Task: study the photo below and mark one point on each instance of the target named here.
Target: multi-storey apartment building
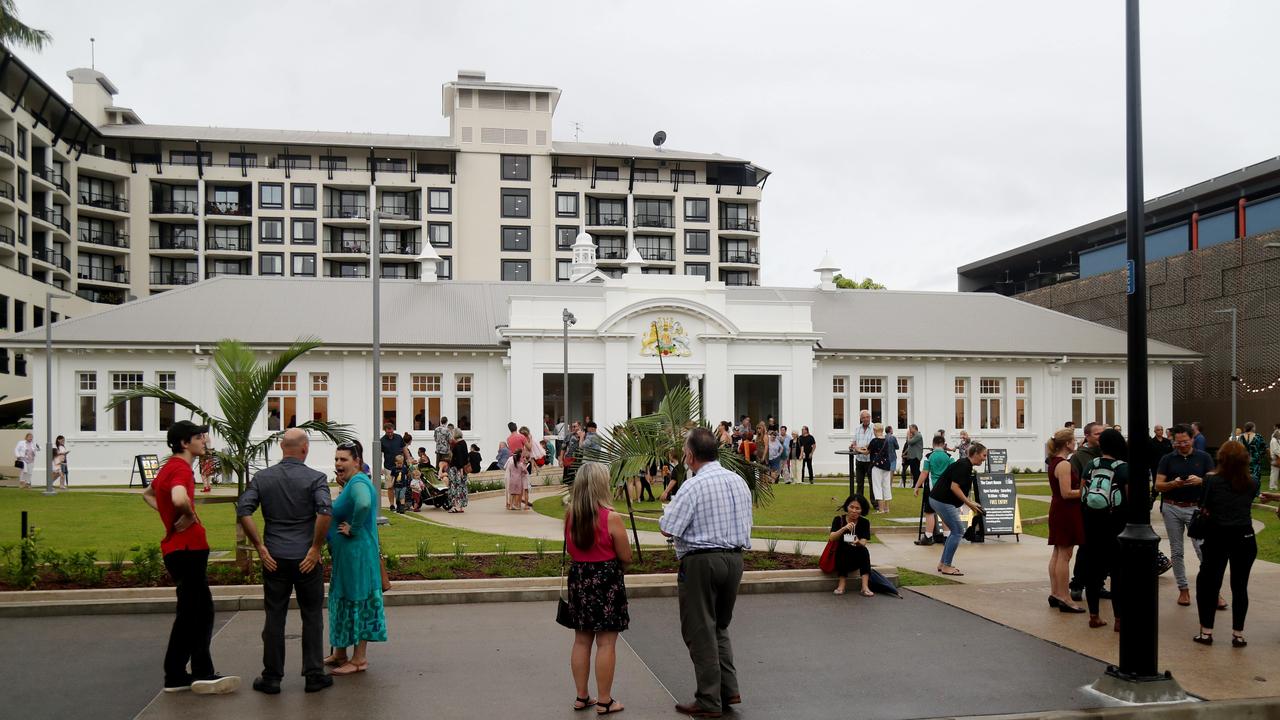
(106, 206)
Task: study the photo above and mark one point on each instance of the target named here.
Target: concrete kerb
(1252, 709)
(230, 598)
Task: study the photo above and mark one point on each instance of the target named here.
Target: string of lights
(1253, 390)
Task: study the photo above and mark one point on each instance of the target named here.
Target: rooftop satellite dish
(659, 138)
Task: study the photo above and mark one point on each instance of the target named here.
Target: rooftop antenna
(577, 128)
(93, 65)
(659, 138)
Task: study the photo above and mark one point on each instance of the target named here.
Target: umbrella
(879, 583)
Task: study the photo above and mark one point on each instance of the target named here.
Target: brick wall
(1183, 293)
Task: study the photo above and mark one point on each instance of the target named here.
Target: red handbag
(827, 563)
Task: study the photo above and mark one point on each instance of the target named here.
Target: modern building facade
(788, 352)
(1212, 248)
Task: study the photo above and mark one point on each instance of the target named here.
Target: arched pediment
(713, 317)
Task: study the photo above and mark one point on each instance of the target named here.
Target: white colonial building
(484, 353)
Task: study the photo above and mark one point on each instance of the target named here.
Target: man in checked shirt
(710, 522)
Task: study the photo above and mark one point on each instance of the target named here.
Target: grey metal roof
(647, 152)
(276, 137)
(274, 311)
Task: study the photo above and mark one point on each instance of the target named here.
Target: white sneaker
(216, 685)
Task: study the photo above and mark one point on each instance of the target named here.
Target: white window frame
(388, 386)
(960, 406)
(129, 412)
(87, 387)
(426, 387)
(167, 380)
(905, 385)
(464, 384)
(1078, 401)
(284, 389)
(871, 391)
(840, 402)
(319, 390)
(1021, 402)
(990, 403)
(1106, 401)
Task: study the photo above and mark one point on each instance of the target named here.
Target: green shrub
(148, 565)
(21, 567)
(393, 562)
(82, 568)
(424, 550)
(116, 557)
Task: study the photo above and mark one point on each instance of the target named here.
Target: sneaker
(924, 541)
(316, 683)
(267, 686)
(216, 685)
(180, 685)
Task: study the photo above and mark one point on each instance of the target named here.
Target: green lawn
(1269, 538)
(108, 522)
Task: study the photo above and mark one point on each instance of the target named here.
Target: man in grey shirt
(296, 509)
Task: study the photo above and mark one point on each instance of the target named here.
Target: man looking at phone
(1180, 482)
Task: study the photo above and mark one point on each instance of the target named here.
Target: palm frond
(215, 423)
(15, 32)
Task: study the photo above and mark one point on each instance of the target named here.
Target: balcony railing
(114, 238)
(404, 213)
(234, 209)
(747, 224)
(6, 236)
(751, 257)
(657, 253)
(346, 212)
(348, 272)
(53, 217)
(172, 277)
(654, 221)
(104, 202)
(6, 189)
(6, 146)
(175, 207)
(400, 247)
(352, 246)
(611, 252)
(229, 244)
(109, 297)
(53, 177)
(173, 242)
(227, 270)
(607, 218)
(53, 257)
(102, 274)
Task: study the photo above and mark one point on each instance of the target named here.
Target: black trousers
(1099, 557)
(910, 467)
(806, 464)
(863, 474)
(1238, 548)
(645, 487)
(276, 588)
(193, 624)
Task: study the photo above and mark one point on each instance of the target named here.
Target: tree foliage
(13, 32)
(845, 283)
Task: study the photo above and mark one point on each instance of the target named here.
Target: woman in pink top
(518, 467)
(596, 541)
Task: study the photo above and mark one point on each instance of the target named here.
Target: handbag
(19, 464)
(564, 614)
(1199, 525)
(827, 563)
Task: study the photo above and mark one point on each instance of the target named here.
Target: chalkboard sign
(145, 467)
(999, 498)
(997, 460)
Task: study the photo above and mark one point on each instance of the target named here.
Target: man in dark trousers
(710, 523)
(805, 444)
(296, 510)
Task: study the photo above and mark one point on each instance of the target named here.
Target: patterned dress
(457, 487)
(1258, 461)
(355, 588)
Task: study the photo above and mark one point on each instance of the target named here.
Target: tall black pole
(1137, 677)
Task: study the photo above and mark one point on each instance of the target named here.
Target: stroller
(431, 495)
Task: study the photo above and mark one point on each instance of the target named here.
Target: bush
(82, 568)
(393, 562)
(116, 558)
(20, 562)
(148, 565)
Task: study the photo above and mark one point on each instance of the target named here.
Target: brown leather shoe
(733, 700)
(693, 709)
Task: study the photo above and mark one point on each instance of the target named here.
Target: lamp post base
(1140, 690)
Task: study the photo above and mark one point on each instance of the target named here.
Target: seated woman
(852, 530)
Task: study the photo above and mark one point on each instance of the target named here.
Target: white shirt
(26, 451)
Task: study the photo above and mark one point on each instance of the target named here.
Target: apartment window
(22, 264)
(127, 416)
(569, 173)
(282, 403)
(515, 167)
(564, 270)
(1104, 400)
(463, 398)
(297, 162)
(1077, 402)
(697, 242)
(644, 174)
(271, 263)
(440, 234)
(87, 399)
(871, 397)
(606, 173)
(271, 230)
(304, 231)
(702, 270)
(37, 316)
(961, 402)
(19, 315)
(990, 394)
(658, 271)
(566, 236)
(391, 165)
(439, 200)
(904, 402)
(304, 264)
(445, 268)
(22, 227)
(567, 205)
(190, 157)
(517, 270)
(332, 162)
(22, 142)
(304, 196)
(515, 239)
(242, 160)
(1021, 399)
(515, 203)
(4, 361)
(684, 176)
(389, 383)
(22, 184)
(655, 247)
(168, 409)
(427, 400)
(697, 209)
(653, 213)
(839, 402)
(271, 195)
(4, 312)
(320, 397)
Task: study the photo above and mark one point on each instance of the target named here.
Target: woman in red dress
(1066, 523)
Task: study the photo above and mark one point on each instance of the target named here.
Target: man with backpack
(1102, 505)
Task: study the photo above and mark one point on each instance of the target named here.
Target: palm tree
(14, 32)
(241, 383)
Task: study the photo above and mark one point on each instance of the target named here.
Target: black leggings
(1099, 555)
(910, 467)
(807, 464)
(1237, 548)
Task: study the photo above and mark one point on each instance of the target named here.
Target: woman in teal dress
(1257, 449)
(356, 614)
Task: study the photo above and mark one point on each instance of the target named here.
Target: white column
(718, 401)
(635, 393)
(693, 390)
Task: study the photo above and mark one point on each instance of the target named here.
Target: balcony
(52, 257)
(227, 270)
(174, 207)
(740, 224)
(748, 257)
(6, 146)
(6, 190)
(108, 297)
(228, 244)
(172, 277)
(611, 251)
(98, 201)
(174, 242)
(53, 177)
(6, 237)
(654, 221)
(348, 272)
(400, 247)
(102, 274)
(740, 282)
(606, 218)
(112, 239)
(54, 217)
(403, 214)
(663, 254)
(346, 212)
(227, 209)
(350, 246)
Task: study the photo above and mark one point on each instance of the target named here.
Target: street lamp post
(375, 229)
(1235, 377)
(568, 319)
(49, 297)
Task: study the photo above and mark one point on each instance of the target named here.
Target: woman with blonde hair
(1066, 523)
(596, 542)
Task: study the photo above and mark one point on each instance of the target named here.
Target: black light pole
(1137, 678)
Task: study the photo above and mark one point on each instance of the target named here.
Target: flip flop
(954, 572)
(342, 670)
(868, 593)
(587, 703)
(608, 707)
(332, 661)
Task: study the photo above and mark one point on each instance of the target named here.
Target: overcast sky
(905, 137)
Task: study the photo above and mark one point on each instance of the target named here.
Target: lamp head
(568, 317)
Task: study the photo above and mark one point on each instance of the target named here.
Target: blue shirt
(711, 511)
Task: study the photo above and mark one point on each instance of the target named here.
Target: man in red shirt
(515, 441)
(186, 557)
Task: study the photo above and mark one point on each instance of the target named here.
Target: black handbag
(1199, 525)
(564, 615)
(19, 464)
